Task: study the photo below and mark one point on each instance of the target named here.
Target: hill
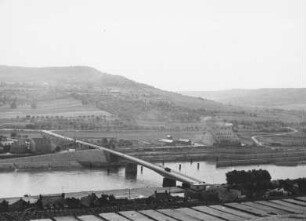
(287, 98)
(83, 98)
(80, 91)
(74, 75)
(90, 79)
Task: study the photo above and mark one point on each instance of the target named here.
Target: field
(301, 106)
(66, 107)
(147, 136)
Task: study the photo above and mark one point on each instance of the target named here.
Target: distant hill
(74, 75)
(90, 78)
(35, 90)
(287, 98)
(81, 97)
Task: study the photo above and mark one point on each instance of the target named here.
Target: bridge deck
(157, 168)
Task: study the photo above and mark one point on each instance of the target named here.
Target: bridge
(170, 176)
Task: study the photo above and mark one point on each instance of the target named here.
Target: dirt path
(258, 143)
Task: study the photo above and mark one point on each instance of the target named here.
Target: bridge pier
(131, 168)
(131, 171)
(167, 182)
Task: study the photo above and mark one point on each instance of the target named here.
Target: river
(19, 183)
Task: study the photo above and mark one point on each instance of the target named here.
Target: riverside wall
(66, 160)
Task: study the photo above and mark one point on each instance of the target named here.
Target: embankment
(67, 160)
(284, 158)
(225, 156)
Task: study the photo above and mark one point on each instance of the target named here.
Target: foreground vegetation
(257, 183)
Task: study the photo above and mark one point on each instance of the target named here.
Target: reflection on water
(34, 183)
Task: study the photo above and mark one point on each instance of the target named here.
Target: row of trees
(252, 182)
(258, 183)
(112, 143)
(263, 126)
(46, 202)
(89, 201)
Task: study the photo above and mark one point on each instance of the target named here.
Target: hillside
(84, 98)
(90, 79)
(74, 75)
(63, 92)
(288, 99)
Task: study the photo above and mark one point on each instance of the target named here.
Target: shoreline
(131, 193)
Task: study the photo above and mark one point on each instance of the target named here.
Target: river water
(14, 184)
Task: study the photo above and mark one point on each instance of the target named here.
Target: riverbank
(163, 206)
(223, 156)
(57, 161)
(131, 193)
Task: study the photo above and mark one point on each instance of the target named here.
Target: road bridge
(164, 171)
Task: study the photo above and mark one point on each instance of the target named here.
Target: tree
(104, 142)
(13, 105)
(4, 206)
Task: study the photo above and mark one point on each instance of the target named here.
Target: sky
(170, 44)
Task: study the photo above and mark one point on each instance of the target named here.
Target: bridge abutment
(167, 182)
(186, 185)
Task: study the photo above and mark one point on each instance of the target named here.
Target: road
(258, 143)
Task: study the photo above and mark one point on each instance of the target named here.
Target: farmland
(66, 107)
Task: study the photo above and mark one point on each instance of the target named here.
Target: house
(52, 201)
(220, 136)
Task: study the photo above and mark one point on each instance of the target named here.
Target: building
(167, 142)
(7, 142)
(20, 146)
(184, 141)
(52, 201)
(42, 145)
(220, 136)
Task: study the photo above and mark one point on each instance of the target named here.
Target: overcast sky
(173, 45)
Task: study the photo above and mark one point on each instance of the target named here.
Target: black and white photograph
(142, 110)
